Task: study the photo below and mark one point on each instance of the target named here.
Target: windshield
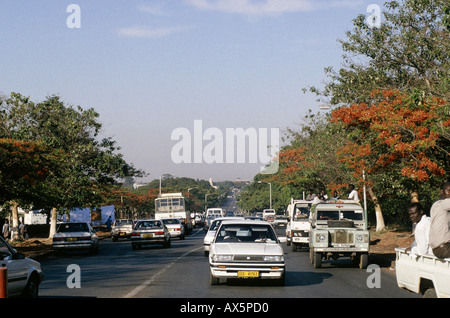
(73, 227)
(301, 212)
(246, 233)
(340, 215)
(124, 222)
(148, 224)
(171, 221)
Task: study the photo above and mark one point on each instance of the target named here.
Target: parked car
(24, 274)
(121, 228)
(244, 249)
(151, 231)
(176, 229)
(209, 237)
(75, 236)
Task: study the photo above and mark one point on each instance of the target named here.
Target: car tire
(317, 260)
(213, 280)
(32, 288)
(363, 261)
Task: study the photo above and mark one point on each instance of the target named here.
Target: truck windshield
(301, 213)
(340, 215)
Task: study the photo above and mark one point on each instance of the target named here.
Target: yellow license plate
(147, 235)
(248, 274)
(71, 238)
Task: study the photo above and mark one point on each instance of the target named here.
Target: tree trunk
(15, 221)
(378, 213)
(54, 214)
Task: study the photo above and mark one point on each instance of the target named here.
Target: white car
(24, 274)
(244, 249)
(75, 236)
(209, 237)
(175, 227)
(121, 228)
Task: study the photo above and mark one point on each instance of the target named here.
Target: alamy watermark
(374, 19)
(74, 279)
(234, 145)
(73, 21)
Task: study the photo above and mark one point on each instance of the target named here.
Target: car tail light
(58, 239)
(159, 233)
(135, 234)
(84, 238)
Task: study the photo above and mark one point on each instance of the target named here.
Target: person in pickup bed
(439, 238)
(421, 231)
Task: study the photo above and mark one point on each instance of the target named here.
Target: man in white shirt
(353, 193)
(422, 229)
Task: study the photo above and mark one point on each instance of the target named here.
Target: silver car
(24, 274)
(147, 232)
(75, 236)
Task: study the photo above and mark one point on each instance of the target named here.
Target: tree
(396, 139)
(410, 51)
(92, 164)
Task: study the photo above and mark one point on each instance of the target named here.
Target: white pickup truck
(424, 274)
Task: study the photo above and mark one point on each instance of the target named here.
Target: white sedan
(209, 237)
(24, 274)
(244, 249)
(175, 227)
(75, 236)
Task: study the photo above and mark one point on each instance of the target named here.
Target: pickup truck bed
(424, 274)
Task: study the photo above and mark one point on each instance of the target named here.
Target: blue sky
(149, 67)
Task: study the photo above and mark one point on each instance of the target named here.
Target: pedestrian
(422, 223)
(439, 238)
(353, 193)
(6, 230)
(108, 224)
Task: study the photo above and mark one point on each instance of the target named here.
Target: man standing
(353, 193)
(439, 238)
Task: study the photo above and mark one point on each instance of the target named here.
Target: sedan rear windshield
(73, 227)
(246, 233)
(148, 224)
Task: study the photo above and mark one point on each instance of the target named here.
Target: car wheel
(115, 238)
(294, 247)
(32, 288)
(213, 280)
(363, 261)
(317, 260)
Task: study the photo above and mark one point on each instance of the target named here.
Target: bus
(173, 205)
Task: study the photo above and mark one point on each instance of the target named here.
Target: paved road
(182, 272)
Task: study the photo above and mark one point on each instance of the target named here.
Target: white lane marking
(144, 285)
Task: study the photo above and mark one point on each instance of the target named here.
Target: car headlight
(321, 237)
(274, 258)
(362, 238)
(222, 258)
